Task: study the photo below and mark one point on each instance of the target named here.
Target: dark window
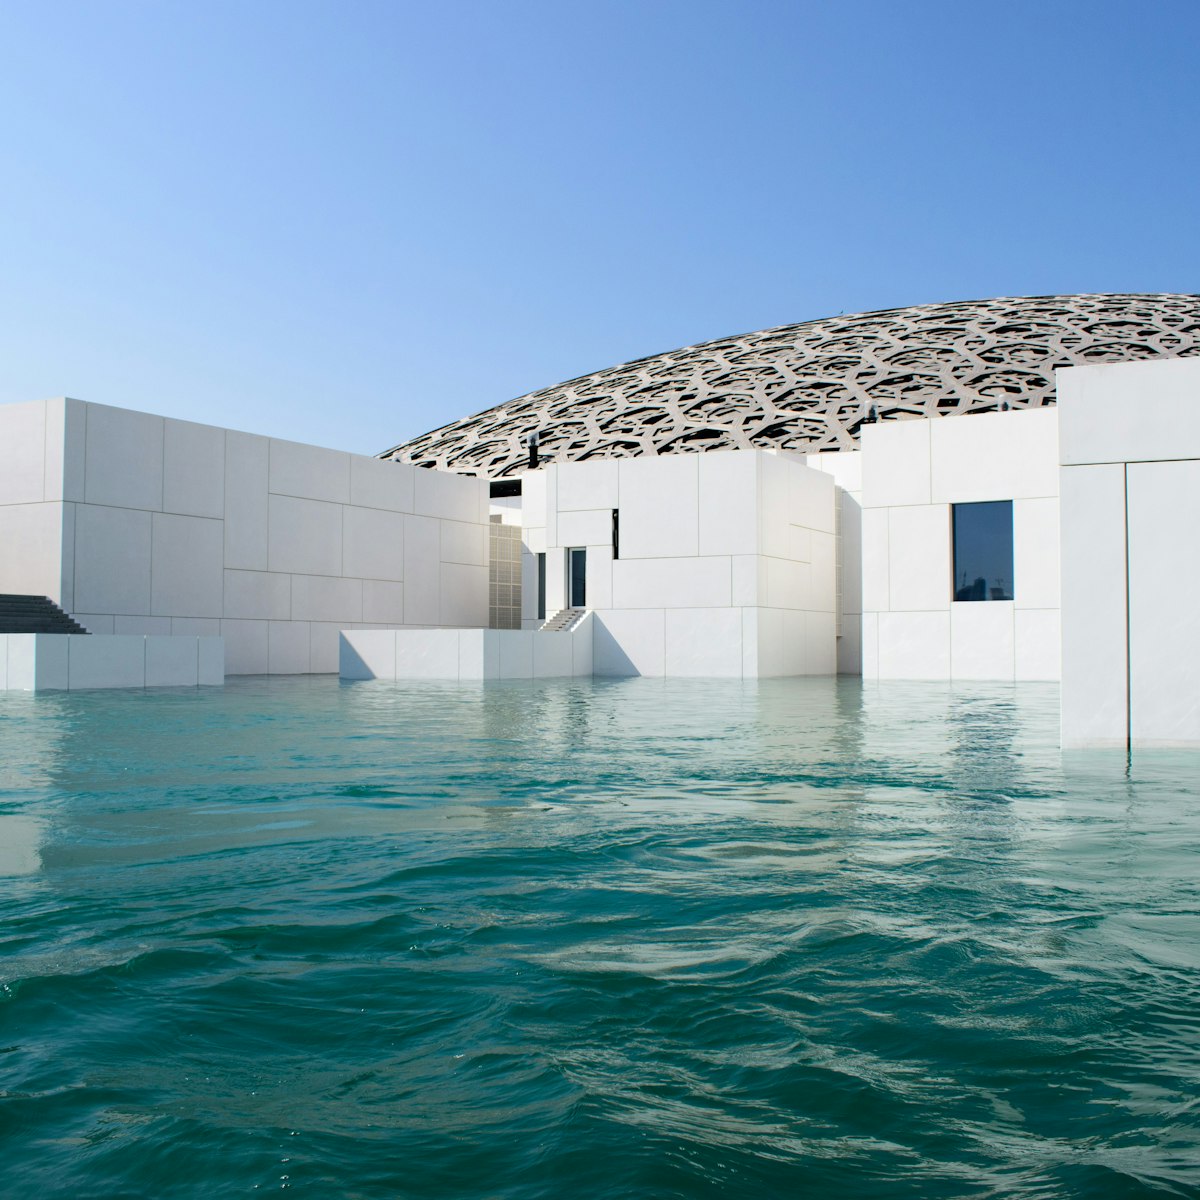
(577, 578)
(983, 551)
(541, 611)
(616, 535)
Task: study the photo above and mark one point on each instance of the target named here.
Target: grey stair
(563, 621)
(34, 614)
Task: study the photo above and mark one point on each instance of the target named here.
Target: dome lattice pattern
(808, 387)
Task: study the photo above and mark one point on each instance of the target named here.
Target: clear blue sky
(348, 223)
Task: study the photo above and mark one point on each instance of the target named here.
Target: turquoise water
(611, 939)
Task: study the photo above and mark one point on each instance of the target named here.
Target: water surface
(595, 939)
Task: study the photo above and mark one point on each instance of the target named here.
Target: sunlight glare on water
(606, 938)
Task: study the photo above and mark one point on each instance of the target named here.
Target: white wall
(726, 565)
(140, 524)
(845, 467)
(32, 662)
(1130, 443)
(912, 473)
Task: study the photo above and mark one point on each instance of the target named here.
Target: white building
(1033, 543)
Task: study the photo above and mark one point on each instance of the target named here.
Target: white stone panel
(659, 506)
(728, 502)
(305, 536)
(772, 644)
(464, 595)
(107, 662)
(74, 446)
(23, 453)
(311, 472)
(844, 465)
(186, 570)
(31, 549)
(1036, 553)
(376, 483)
(750, 643)
(22, 661)
(1093, 606)
(50, 661)
(142, 625)
(672, 583)
(171, 661)
(1164, 617)
(426, 653)
(96, 622)
(870, 645)
(850, 553)
(246, 512)
(66, 596)
(775, 506)
(823, 577)
(206, 627)
(629, 642)
(193, 469)
(422, 572)
(581, 646)
(849, 647)
(800, 543)
(556, 580)
(745, 587)
(323, 647)
(599, 577)
(454, 497)
(287, 647)
(466, 544)
(112, 560)
(876, 585)
(820, 655)
(245, 647)
(895, 463)
(124, 458)
(533, 499)
(1127, 412)
(258, 595)
(994, 456)
(472, 653)
(585, 527)
(367, 654)
(210, 661)
(918, 558)
(586, 485)
(914, 645)
(516, 653)
(810, 497)
(326, 598)
(383, 603)
(982, 640)
(1038, 649)
(704, 642)
(373, 543)
(789, 584)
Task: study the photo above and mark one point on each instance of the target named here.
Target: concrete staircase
(563, 622)
(34, 614)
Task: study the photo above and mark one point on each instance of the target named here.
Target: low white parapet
(34, 662)
(465, 654)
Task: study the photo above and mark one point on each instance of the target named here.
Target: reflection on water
(665, 938)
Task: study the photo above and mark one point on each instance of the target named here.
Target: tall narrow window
(616, 535)
(983, 551)
(541, 587)
(577, 578)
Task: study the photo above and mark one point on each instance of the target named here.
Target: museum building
(974, 491)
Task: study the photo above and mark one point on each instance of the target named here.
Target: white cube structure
(141, 524)
(1130, 437)
(913, 474)
(717, 564)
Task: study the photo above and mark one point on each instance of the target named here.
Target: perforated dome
(808, 387)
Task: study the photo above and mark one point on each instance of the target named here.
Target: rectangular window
(541, 608)
(577, 578)
(983, 551)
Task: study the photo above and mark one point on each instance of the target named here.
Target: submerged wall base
(466, 654)
(35, 662)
